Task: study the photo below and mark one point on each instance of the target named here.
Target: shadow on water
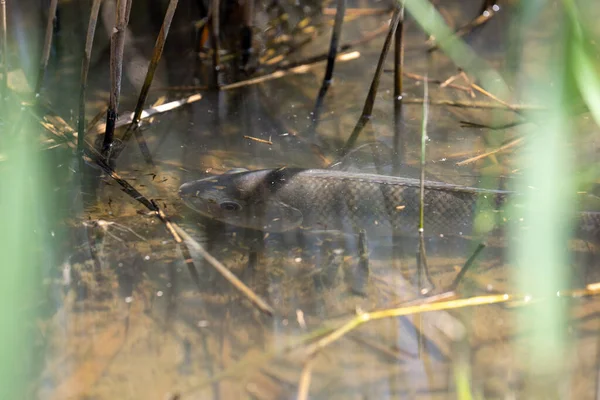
(128, 321)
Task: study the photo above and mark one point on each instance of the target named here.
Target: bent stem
(370, 101)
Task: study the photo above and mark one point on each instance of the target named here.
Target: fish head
(241, 198)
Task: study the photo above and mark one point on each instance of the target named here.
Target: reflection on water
(130, 322)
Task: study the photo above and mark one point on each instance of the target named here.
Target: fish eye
(230, 206)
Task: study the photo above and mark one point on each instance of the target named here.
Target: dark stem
(46, 48)
(156, 55)
(399, 143)
(466, 267)
(333, 50)
(117, 47)
(85, 66)
(422, 265)
(370, 101)
(215, 31)
(246, 32)
(486, 12)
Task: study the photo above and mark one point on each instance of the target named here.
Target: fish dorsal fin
(278, 177)
(377, 157)
(367, 157)
(235, 171)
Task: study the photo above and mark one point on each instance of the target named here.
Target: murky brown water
(128, 321)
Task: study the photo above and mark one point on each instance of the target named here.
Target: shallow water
(128, 321)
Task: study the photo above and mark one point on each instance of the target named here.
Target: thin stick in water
(358, 12)
(370, 101)
(399, 145)
(127, 118)
(491, 96)
(418, 308)
(259, 140)
(156, 55)
(298, 69)
(421, 254)
(476, 104)
(117, 47)
(46, 48)
(507, 146)
(85, 66)
(305, 377)
(226, 273)
(216, 48)
(246, 32)
(333, 49)
(487, 11)
(466, 267)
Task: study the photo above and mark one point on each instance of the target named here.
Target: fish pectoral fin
(281, 217)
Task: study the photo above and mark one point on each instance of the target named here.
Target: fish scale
(288, 198)
(351, 203)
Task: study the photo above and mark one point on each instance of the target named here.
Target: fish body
(283, 199)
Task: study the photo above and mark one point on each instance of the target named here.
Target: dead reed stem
(47, 45)
(486, 13)
(370, 100)
(85, 66)
(156, 55)
(399, 143)
(117, 47)
(216, 48)
(226, 273)
(507, 146)
(463, 271)
(305, 377)
(421, 253)
(476, 104)
(128, 118)
(246, 32)
(333, 49)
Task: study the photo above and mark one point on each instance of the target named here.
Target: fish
(283, 199)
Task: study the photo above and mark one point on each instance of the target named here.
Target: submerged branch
(409, 310)
(477, 104)
(128, 118)
(507, 146)
(463, 271)
(226, 273)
